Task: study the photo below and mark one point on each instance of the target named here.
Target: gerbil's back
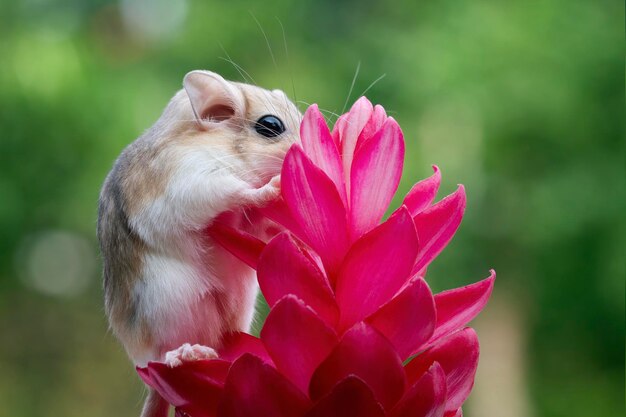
(138, 176)
(120, 245)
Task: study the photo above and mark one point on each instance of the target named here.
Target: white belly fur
(192, 299)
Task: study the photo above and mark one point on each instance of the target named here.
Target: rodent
(217, 147)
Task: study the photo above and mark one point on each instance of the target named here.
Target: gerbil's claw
(188, 353)
(267, 193)
(275, 181)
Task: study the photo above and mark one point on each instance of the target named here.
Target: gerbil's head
(248, 128)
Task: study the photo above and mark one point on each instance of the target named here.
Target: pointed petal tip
(407, 320)
(293, 151)
(291, 302)
(362, 101)
(458, 306)
(235, 344)
(456, 200)
(435, 368)
(359, 347)
(361, 106)
(287, 267)
(436, 174)
(312, 112)
(380, 110)
(291, 299)
(458, 356)
(402, 211)
(393, 124)
(297, 354)
(427, 395)
(460, 191)
(461, 195)
(487, 283)
(437, 224)
(351, 396)
(472, 332)
(244, 246)
(490, 281)
(255, 388)
(423, 193)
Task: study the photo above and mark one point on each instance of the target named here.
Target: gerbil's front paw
(267, 193)
(189, 353)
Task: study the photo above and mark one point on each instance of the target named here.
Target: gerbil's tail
(155, 406)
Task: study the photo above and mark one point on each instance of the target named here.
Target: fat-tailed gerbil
(218, 146)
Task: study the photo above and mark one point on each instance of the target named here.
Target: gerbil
(218, 146)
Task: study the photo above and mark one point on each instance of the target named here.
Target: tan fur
(165, 283)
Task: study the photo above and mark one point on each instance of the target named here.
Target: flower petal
(286, 267)
(349, 129)
(256, 389)
(458, 356)
(317, 207)
(350, 397)
(244, 246)
(408, 320)
(279, 212)
(459, 306)
(337, 128)
(376, 172)
(194, 387)
(454, 413)
(366, 353)
(427, 396)
(373, 125)
(376, 267)
(235, 344)
(436, 226)
(320, 147)
(423, 193)
(297, 339)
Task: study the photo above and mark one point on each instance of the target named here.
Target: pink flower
(353, 327)
(338, 185)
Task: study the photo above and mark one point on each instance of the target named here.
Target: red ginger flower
(348, 302)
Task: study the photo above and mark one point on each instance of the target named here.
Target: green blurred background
(521, 101)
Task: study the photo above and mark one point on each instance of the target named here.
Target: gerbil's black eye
(269, 126)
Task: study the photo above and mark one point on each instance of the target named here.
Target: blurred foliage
(520, 101)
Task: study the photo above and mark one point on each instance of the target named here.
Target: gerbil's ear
(213, 99)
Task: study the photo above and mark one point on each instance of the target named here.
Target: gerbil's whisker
(269, 47)
(356, 74)
(293, 86)
(245, 215)
(372, 84)
(238, 67)
(332, 113)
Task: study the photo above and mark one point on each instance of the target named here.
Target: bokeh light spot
(153, 20)
(45, 63)
(56, 262)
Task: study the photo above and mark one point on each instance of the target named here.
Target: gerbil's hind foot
(189, 353)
